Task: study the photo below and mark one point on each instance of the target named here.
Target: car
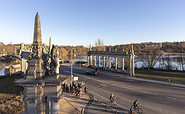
(91, 73)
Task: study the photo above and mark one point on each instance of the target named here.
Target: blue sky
(81, 22)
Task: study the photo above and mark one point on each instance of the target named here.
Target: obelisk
(35, 58)
(50, 45)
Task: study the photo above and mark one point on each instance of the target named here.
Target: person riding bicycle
(136, 104)
(131, 110)
(112, 98)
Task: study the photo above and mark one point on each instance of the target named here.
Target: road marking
(108, 100)
(172, 98)
(149, 93)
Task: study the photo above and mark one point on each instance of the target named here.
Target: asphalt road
(154, 98)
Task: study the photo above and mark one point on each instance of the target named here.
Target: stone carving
(41, 63)
(35, 58)
(54, 63)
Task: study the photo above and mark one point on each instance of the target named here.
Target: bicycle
(138, 110)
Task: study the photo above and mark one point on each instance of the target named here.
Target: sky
(82, 22)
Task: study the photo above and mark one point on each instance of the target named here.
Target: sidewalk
(78, 103)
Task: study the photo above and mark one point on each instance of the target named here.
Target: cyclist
(131, 110)
(112, 98)
(136, 104)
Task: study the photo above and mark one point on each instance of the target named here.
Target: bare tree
(181, 49)
(63, 53)
(167, 61)
(151, 56)
(99, 43)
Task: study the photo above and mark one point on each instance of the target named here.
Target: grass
(176, 77)
(8, 88)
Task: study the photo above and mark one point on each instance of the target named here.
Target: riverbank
(175, 77)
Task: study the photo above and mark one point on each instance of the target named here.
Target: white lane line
(172, 98)
(124, 87)
(108, 99)
(148, 93)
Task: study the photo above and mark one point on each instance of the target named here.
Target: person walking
(169, 80)
(85, 90)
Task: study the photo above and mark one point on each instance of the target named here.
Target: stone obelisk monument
(36, 70)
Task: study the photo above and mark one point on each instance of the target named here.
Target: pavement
(156, 97)
(86, 104)
(77, 103)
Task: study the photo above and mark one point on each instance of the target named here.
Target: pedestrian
(64, 86)
(67, 88)
(78, 92)
(70, 88)
(79, 85)
(73, 89)
(169, 80)
(85, 90)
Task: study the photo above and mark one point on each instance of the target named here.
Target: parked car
(91, 73)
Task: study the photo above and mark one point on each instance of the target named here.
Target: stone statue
(54, 56)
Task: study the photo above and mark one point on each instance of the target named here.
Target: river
(161, 64)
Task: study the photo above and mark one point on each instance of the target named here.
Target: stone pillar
(133, 72)
(104, 61)
(132, 61)
(46, 105)
(98, 61)
(123, 67)
(58, 64)
(25, 100)
(129, 65)
(95, 61)
(55, 107)
(116, 64)
(37, 99)
(90, 60)
(23, 65)
(109, 62)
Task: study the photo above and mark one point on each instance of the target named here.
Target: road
(154, 98)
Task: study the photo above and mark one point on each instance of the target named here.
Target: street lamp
(79, 57)
(73, 54)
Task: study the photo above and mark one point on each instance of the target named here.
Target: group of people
(74, 88)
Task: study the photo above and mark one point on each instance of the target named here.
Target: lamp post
(80, 57)
(72, 54)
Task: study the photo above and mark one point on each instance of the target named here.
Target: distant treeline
(139, 48)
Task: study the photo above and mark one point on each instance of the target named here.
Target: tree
(63, 53)
(181, 49)
(99, 44)
(167, 61)
(151, 56)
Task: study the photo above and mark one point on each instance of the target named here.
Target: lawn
(176, 77)
(8, 88)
